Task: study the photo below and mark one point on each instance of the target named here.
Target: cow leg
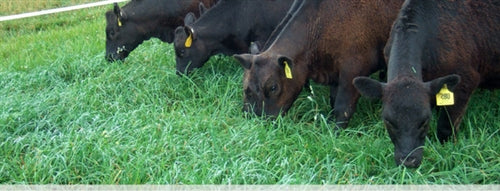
(345, 101)
(333, 93)
(450, 116)
(307, 87)
(449, 120)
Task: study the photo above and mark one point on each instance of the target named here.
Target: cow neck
(294, 40)
(217, 22)
(154, 17)
(404, 60)
(289, 15)
(411, 38)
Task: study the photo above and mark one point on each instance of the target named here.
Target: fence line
(58, 10)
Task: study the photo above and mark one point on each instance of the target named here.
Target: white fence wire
(58, 10)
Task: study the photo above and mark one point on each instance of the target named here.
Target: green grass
(69, 117)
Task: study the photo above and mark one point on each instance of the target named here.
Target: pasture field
(69, 117)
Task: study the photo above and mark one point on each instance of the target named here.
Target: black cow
(435, 43)
(140, 20)
(228, 28)
(328, 41)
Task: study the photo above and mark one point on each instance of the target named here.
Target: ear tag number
(189, 41)
(444, 97)
(288, 71)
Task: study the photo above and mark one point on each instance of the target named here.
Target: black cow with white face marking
(140, 20)
(436, 46)
(228, 28)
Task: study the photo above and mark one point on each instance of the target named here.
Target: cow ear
(116, 9)
(119, 12)
(245, 60)
(189, 19)
(451, 82)
(202, 8)
(123, 16)
(179, 30)
(286, 65)
(183, 35)
(254, 48)
(368, 87)
(190, 36)
(120, 15)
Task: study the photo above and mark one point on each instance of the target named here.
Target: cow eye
(113, 33)
(248, 94)
(273, 88)
(180, 53)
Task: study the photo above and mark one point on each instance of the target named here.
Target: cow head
(406, 111)
(122, 35)
(271, 83)
(190, 51)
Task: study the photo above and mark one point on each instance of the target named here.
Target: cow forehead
(406, 100)
(405, 87)
(256, 77)
(265, 68)
(261, 71)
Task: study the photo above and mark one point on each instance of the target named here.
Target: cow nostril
(245, 108)
(400, 161)
(110, 58)
(410, 162)
(413, 160)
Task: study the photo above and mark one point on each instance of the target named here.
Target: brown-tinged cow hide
(328, 41)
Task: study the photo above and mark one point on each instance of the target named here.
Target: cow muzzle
(411, 160)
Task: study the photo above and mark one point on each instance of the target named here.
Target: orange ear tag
(444, 97)
(288, 71)
(189, 41)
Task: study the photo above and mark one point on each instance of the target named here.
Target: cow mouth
(119, 55)
(116, 57)
(410, 160)
(258, 112)
(111, 58)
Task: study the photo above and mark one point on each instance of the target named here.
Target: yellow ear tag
(189, 41)
(444, 97)
(288, 71)
(119, 23)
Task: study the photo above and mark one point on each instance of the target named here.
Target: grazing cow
(139, 20)
(435, 44)
(228, 28)
(328, 41)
